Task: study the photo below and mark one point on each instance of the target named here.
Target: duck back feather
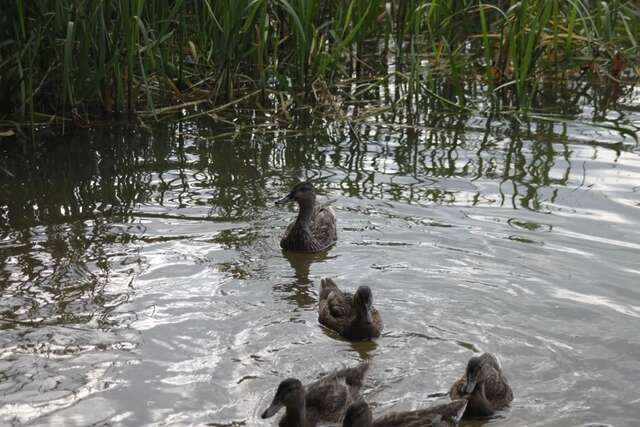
(442, 415)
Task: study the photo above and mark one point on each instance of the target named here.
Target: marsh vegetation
(76, 63)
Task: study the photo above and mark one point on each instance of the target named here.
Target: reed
(74, 63)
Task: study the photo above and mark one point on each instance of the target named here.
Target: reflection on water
(300, 263)
(299, 288)
(147, 263)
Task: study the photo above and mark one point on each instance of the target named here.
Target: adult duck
(325, 400)
(352, 316)
(314, 229)
(443, 415)
(484, 386)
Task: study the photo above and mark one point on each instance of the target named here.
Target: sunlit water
(142, 283)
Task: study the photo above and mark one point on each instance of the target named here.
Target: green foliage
(63, 60)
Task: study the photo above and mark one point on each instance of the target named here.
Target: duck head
(363, 301)
(472, 373)
(358, 415)
(290, 394)
(304, 194)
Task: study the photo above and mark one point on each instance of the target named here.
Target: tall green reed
(67, 61)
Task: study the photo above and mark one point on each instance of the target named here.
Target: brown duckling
(352, 316)
(314, 229)
(484, 386)
(443, 415)
(325, 400)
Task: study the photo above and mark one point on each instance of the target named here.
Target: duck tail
(355, 376)
(326, 287)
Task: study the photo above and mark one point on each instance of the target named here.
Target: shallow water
(141, 280)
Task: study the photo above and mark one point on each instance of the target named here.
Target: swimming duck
(484, 386)
(315, 227)
(352, 316)
(443, 415)
(324, 400)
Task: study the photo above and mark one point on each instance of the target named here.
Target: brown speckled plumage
(346, 313)
(315, 228)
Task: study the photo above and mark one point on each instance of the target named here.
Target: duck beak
(272, 410)
(470, 384)
(285, 199)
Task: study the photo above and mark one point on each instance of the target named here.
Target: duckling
(352, 316)
(314, 229)
(484, 386)
(443, 415)
(324, 400)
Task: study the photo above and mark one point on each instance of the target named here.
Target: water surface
(142, 283)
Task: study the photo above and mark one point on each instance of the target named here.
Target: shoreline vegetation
(69, 63)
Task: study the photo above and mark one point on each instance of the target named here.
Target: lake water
(141, 281)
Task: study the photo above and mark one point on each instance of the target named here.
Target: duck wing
(456, 391)
(323, 225)
(327, 399)
(335, 311)
(335, 308)
(326, 287)
(354, 377)
(378, 324)
(340, 305)
(411, 419)
(496, 388)
(442, 415)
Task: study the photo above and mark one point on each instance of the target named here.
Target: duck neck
(360, 317)
(295, 416)
(478, 404)
(305, 213)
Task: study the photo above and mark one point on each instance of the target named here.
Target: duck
(325, 400)
(314, 229)
(352, 316)
(442, 415)
(484, 386)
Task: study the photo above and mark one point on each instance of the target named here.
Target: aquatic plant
(68, 62)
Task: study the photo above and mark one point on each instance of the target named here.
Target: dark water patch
(524, 240)
(530, 226)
